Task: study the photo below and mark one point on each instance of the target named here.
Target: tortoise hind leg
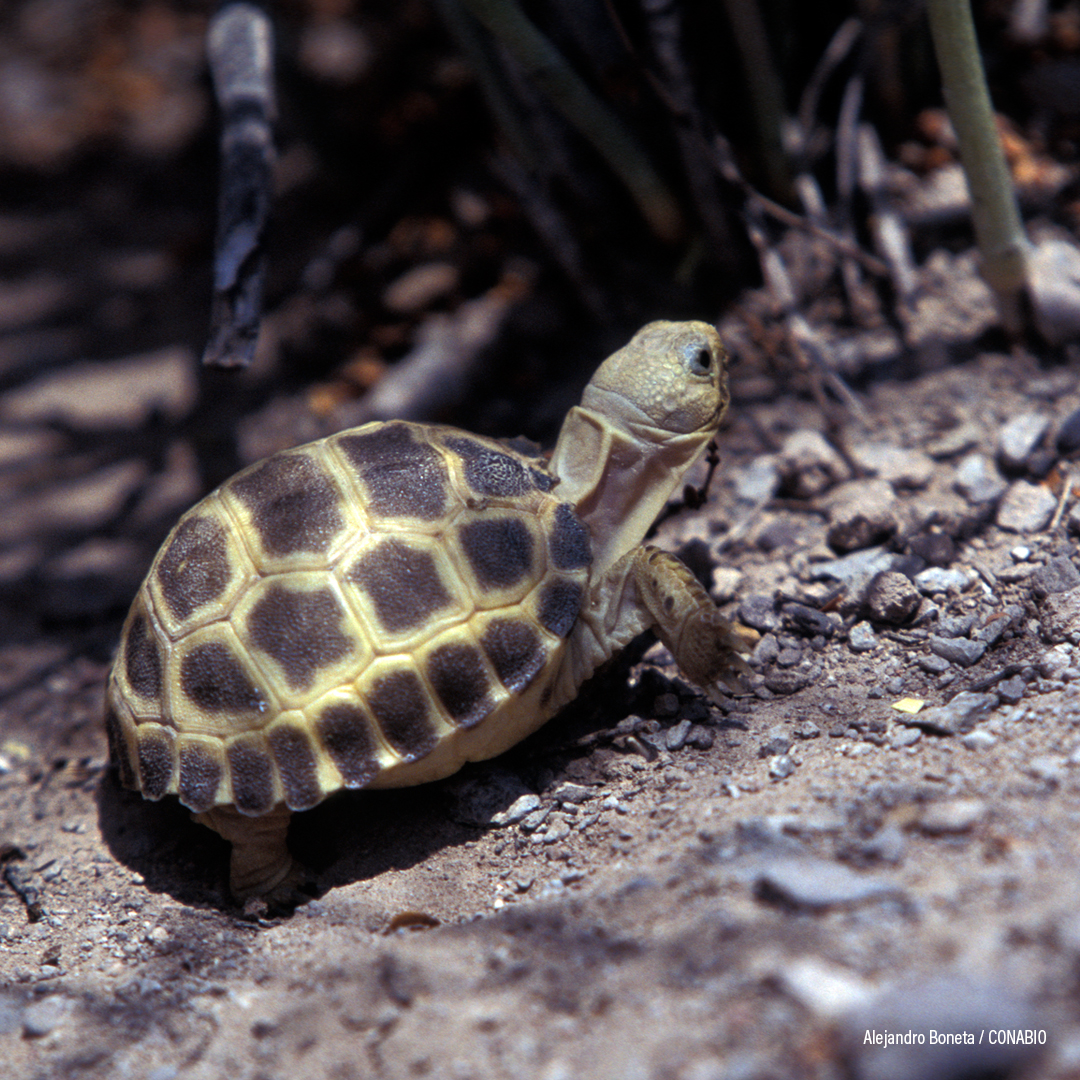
(261, 864)
(705, 645)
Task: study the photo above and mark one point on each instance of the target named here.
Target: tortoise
(379, 607)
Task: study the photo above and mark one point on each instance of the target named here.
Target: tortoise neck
(619, 475)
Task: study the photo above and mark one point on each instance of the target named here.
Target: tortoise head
(645, 417)
(670, 380)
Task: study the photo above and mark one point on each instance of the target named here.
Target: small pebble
(904, 737)
(817, 885)
(676, 737)
(935, 665)
(777, 741)
(560, 830)
(1026, 507)
(955, 625)
(532, 822)
(571, 793)
(1057, 576)
(952, 816)
(517, 810)
(978, 479)
(44, 1016)
(962, 651)
(935, 579)
(979, 740)
(808, 465)
(861, 637)
(780, 768)
(861, 513)
(1018, 439)
(1011, 691)
(892, 598)
(959, 715)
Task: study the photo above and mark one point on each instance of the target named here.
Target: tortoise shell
(337, 611)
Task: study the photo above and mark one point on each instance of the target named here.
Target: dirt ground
(864, 866)
(694, 892)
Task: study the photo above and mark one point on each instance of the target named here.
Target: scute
(489, 472)
(157, 759)
(515, 650)
(344, 730)
(294, 755)
(500, 551)
(400, 705)
(402, 477)
(194, 568)
(201, 770)
(213, 679)
(252, 773)
(462, 684)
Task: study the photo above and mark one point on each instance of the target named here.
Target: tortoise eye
(699, 359)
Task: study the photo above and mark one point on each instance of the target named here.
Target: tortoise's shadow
(351, 836)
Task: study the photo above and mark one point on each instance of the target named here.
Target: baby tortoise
(377, 608)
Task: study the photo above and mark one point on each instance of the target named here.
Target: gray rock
(676, 737)
(952, 816)
(1056, 661)
(935, 665)
(892, 598)
(991, 633)
(856, 570)
(46, 1015)
(1050, 768)
(765, 651)
(1018, 439)
(808, 465)
(11, 1012)
(958, 716)
(532, 821)
(558, 830)
(978, 479)
(780, 768)
(861, 513)
(816, 885)
(572, 793)
(1057, 576)
(962, 651)
(1059, 617)
(777, 741)
(519, 809)
(1011, 691)
(759, 612)
(904, 737)
(861, 637)
(955, 625)
(1025, 508)
(789, 680)
(894, 464)
(935, 579)
(978, 740)
(887, 845)
(758, 481)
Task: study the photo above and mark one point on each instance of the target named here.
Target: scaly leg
(705, 645)
(261, 864)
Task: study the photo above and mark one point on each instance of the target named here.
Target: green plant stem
(567, 91)
(998, 230)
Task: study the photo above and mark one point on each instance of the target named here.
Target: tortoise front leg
(260, 862)
(705, 645)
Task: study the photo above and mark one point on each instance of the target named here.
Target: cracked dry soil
(650, 887)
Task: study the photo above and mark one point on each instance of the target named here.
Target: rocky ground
(865, 866)
(879, 836)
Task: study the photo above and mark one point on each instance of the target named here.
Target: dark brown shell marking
(499, 550)
(403, 583)
(402, 477)
(344, 732)
(194, 569)
(294, 505)
(300, 630)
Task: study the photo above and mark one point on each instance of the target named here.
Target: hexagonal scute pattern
(338, 610)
